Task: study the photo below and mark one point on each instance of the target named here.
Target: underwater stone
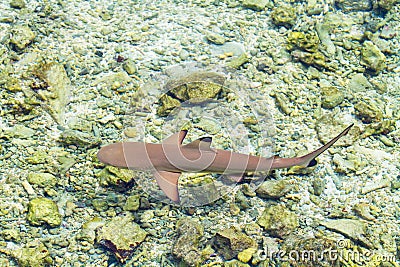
(186, 246)
(368, 111)
(42, 179)
(359, 83)
(132, 203)
(34, 254)
(42, 210)
(121, 236)
(114, 176)
(236, 62)
(247, 254)
(129, 66)
(56, 90)
(19, 131)
(372, 57)
(78, 138)
(274, 189)
(167, 104)
(305, 41)
(353, 229)
(331, 97)
(283, 16)
(21, 37)
(278, 220)
(17, 4)
(364, 211)
(215, 38)
(230, 242)
(235, 263)
(88, 230)
(256, 5)
(354, 5)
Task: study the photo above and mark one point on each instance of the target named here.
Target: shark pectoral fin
(168, 183)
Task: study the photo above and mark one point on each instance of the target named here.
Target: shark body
(170, 158)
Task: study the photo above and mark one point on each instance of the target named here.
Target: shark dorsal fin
(203, 144)
(176, 138)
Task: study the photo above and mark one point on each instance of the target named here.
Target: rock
(121, 236)
(34, 254)
(114, 176)
(318, 186)
(56, 89)
(42, 179)
(21, 37)
(186, 246)
(196, 87)
(167, 104)
(88, 230)
(278, 220)
(372, 57)
(368, 111)
(235, 263)
(247, 254)
(331, 97)
(17, 4)
(324, 35)
(236, 62)
(354, 5)
(42, 210)
(386, 5)
(129, 66)
(273, 189)
(283, 16)
(132, 203)
(78, 138)
(353, 229)
(375, 185)
(215, 38)
(359, 83)
(19, 131)
(230, 242)
(308, 42)
(364, 211)
(256, 5)
(208, 125)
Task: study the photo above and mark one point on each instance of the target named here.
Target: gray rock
(186, 246)
(78, 138)
(274, 189)
(43, 210)
(353, 229)
(230, 242)
(359, 83)
(372, 57)
(215, 38)
(255, 4)
(278, 220)
(354, 5)
(21, 37)
(121, 236)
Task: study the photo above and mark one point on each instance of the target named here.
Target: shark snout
(112, 155)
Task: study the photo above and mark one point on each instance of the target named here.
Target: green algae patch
(43, 210)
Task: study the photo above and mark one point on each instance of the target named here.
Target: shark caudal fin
(309, 159)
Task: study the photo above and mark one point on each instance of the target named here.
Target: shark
(169, 159)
